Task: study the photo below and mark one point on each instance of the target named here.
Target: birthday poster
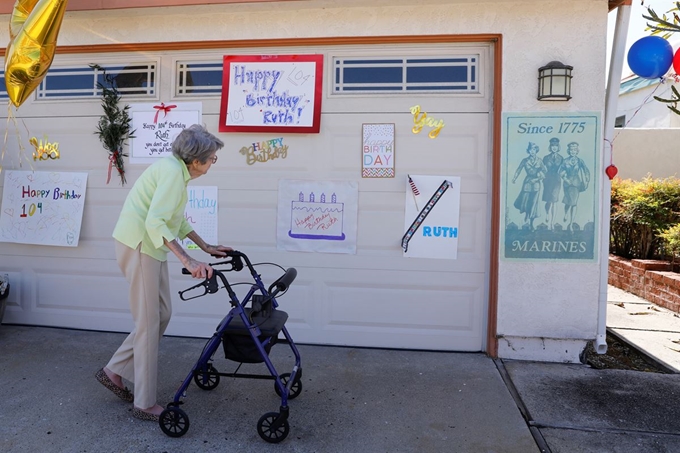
(201, 213)
(44, 208)
(271, 93)
(317, 216)
(155, 127)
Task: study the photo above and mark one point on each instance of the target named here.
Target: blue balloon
(650, 57)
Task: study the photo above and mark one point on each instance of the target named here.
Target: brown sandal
(140, 414)
(122, 393)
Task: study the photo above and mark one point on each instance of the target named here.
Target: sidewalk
(651, 329)
(352, 399)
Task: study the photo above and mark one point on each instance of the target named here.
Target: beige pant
(137, 358)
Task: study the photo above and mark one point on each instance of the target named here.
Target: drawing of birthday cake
(317, 220)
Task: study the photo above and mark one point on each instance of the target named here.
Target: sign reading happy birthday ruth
(271, 93)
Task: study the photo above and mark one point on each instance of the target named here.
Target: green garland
(114, 125)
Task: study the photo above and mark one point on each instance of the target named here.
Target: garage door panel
(406, 309)
(93, 295)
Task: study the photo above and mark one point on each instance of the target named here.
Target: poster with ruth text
(155, 127)
(271, 93)
(44, 208)
(550, 185)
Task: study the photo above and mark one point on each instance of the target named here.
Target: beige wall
(641, 152)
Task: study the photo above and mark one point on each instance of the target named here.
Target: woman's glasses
(214, 159)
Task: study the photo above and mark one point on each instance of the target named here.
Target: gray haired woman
(150, 224)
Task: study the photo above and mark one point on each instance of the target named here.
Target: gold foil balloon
(30, 53)
(22, 8)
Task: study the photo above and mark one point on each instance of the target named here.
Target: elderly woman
(150, 224)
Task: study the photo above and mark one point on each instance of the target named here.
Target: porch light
(554, 82)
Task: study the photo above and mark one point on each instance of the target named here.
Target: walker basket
(239, 345)
(242, 348)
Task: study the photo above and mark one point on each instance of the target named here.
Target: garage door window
(202, 78)
(74, 82)
(81, 81)
(409, 74)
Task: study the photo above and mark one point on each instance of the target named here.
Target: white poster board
(437, 235)
(271, 93)
(317, 216)
(44, 208)
(201, 213)
(155, 127)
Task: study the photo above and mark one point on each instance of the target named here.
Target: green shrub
(640, 212)
(671, 240)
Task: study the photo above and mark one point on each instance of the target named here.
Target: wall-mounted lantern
(554, 82)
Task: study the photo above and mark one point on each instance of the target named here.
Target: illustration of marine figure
(575, 179)
(552, 182)
(530, 195)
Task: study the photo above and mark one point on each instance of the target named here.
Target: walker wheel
(267, 430)
(295, 389)
(174, 422)
(207, 380)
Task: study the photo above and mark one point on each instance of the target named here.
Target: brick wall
(650, 279)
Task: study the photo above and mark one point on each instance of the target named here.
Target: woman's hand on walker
(217, 250)
(199, 269)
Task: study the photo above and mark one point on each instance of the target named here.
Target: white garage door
(373, 298)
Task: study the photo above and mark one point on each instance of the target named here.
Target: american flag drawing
(415, 190)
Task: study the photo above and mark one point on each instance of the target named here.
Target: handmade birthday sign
(44, 208)
(317, 216)
(431, 221)
(157, 125)
(272, 93)
(201, 213)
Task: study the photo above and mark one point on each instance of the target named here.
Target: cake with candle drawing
(320, 219)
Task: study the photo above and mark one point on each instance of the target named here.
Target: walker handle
(283, 282)
(209, 285)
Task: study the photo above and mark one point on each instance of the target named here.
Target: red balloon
(676, 62)
(611, 171)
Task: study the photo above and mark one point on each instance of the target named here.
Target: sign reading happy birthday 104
(44, 208)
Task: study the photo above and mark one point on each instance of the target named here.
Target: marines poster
(550, 185)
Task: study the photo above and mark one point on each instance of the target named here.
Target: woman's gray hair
(195, 143)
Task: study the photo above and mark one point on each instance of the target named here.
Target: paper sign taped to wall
(432, 213)
(201, 213)
(44, 208)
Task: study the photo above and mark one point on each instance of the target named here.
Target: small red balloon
(676, 62)
(611, 171)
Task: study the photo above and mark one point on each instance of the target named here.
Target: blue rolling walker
(247, 334)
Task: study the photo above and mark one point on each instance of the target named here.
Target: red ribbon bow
(112, 160)
(164, 108)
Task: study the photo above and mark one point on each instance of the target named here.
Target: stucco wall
(546, 310)
(642, 152)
